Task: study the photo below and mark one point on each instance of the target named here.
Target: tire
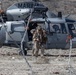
(23, 48)
(21, 53)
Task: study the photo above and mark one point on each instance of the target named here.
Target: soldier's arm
(34, 36)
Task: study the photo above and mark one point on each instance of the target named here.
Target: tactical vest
(37, 36)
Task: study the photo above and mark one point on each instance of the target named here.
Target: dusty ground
(55, 62)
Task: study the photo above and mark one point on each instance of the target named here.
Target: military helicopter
(28, 14)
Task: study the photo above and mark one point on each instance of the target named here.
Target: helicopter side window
(0, 20)
(71, 27)
(0, 27)
(56, 28)
(72, 30)
(63, 28)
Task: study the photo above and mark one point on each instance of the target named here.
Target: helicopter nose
(2, 35)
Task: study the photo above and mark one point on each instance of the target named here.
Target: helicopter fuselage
(58, 28)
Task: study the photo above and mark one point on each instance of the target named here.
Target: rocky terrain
(55, 62)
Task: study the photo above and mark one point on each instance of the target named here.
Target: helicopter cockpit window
(72, 29)
(63, 28)
(56, 28)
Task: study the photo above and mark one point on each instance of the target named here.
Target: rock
(55, 72)
(13, 58)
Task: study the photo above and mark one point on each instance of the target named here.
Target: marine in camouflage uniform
(43, 43)
(39, 41)
(37, 38)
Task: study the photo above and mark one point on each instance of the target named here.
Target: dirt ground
(55, 62)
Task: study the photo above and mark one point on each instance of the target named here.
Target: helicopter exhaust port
(60, 14)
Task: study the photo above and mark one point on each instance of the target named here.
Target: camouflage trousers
(43, 46)
(36, 47)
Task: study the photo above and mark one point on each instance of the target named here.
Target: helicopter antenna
(67, 15)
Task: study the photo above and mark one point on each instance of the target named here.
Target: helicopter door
(31, 26)
(59, 35)
(52, 37)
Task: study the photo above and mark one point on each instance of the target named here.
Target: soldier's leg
(36, 52)
(36, 49)
(42, 49)
(33, 50)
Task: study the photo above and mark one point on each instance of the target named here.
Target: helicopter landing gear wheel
(23, 51)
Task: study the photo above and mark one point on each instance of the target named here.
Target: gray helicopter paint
(56, 39)
(2, 34)
(57, 34)
(16, 31)
(17, 14)
(19, 11)
(50, 20)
